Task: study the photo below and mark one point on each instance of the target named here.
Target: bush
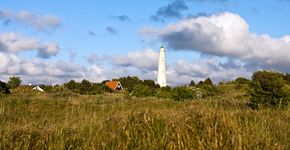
(46, 88)
(14, 82)
(140, 90)
(268, 89)
(241, 80)
(164, 92)
(182, 93)
(4, 88)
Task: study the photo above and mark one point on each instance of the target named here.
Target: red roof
(112, 84)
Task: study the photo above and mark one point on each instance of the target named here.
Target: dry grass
(49, 121)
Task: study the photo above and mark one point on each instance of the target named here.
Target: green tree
(164, 92)
(85, 87)
(129, 82)
(268, 89)
(241, 80)
(192, 83)
(150, 83)
(14, 82)
(207, 87)
(140, 90)
(182, 93)
(207, 81)
(4, 88)
(71, 85)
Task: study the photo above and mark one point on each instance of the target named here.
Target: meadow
(35, 120)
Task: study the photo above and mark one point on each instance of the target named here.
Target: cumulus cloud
(38, 71)
(40, 23)
(144, 60)
(13, 42)
(224, 34)
(138, 63)
(172, 10)
(202, 68)
(147, 59)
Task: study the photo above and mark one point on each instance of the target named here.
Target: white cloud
(41, 23)
(13, 42)
(147, 59)
(38, 71)
(225, 34)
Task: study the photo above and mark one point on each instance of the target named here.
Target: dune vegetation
(61, 119)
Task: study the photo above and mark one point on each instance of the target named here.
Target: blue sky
(101, 40)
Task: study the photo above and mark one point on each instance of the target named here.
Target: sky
(48, 41)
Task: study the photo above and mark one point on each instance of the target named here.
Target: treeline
(265, 89)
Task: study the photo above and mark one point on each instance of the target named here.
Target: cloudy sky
(55, 41)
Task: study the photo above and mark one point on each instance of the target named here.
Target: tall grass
(114, 121)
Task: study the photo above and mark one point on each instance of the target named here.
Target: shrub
(14, 82)
(140, 90)
(46, 88)
(4, 88)
(207, 87)
(192, 83)
(106, 89)
(268, 89)
(241, 80)
(182, 93)
(164, 92)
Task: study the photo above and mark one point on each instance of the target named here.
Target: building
(161, 78)
(37, 88)
(114, 85)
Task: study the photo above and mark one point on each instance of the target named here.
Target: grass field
(115, 121)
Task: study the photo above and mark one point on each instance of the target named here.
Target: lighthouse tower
(161, 79)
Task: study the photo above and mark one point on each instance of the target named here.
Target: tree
(14, 82)
(182, 93)
(4, 88)
(140, 90)
(150, 83)
(241, 80)
(268, 89)
(71, 85)
(207, 87)
(192, 83)
(85, 87)
(208, 81)
(129, 82)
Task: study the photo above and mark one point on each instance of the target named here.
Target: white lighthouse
(161, 79)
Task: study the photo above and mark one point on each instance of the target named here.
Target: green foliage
(164, 92)
(182, 93)
(140, 90)
(208, 82)
(287, 78)
(107, 89)
(192, 83)
(14, 82)
(268, 89)
(241, 83)
(4, 88)
(85, 87)
(46, 88)
(63, 121)
(129, 82)
(150, 83)
(72, 85)
(241, 80)
(207, 87)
